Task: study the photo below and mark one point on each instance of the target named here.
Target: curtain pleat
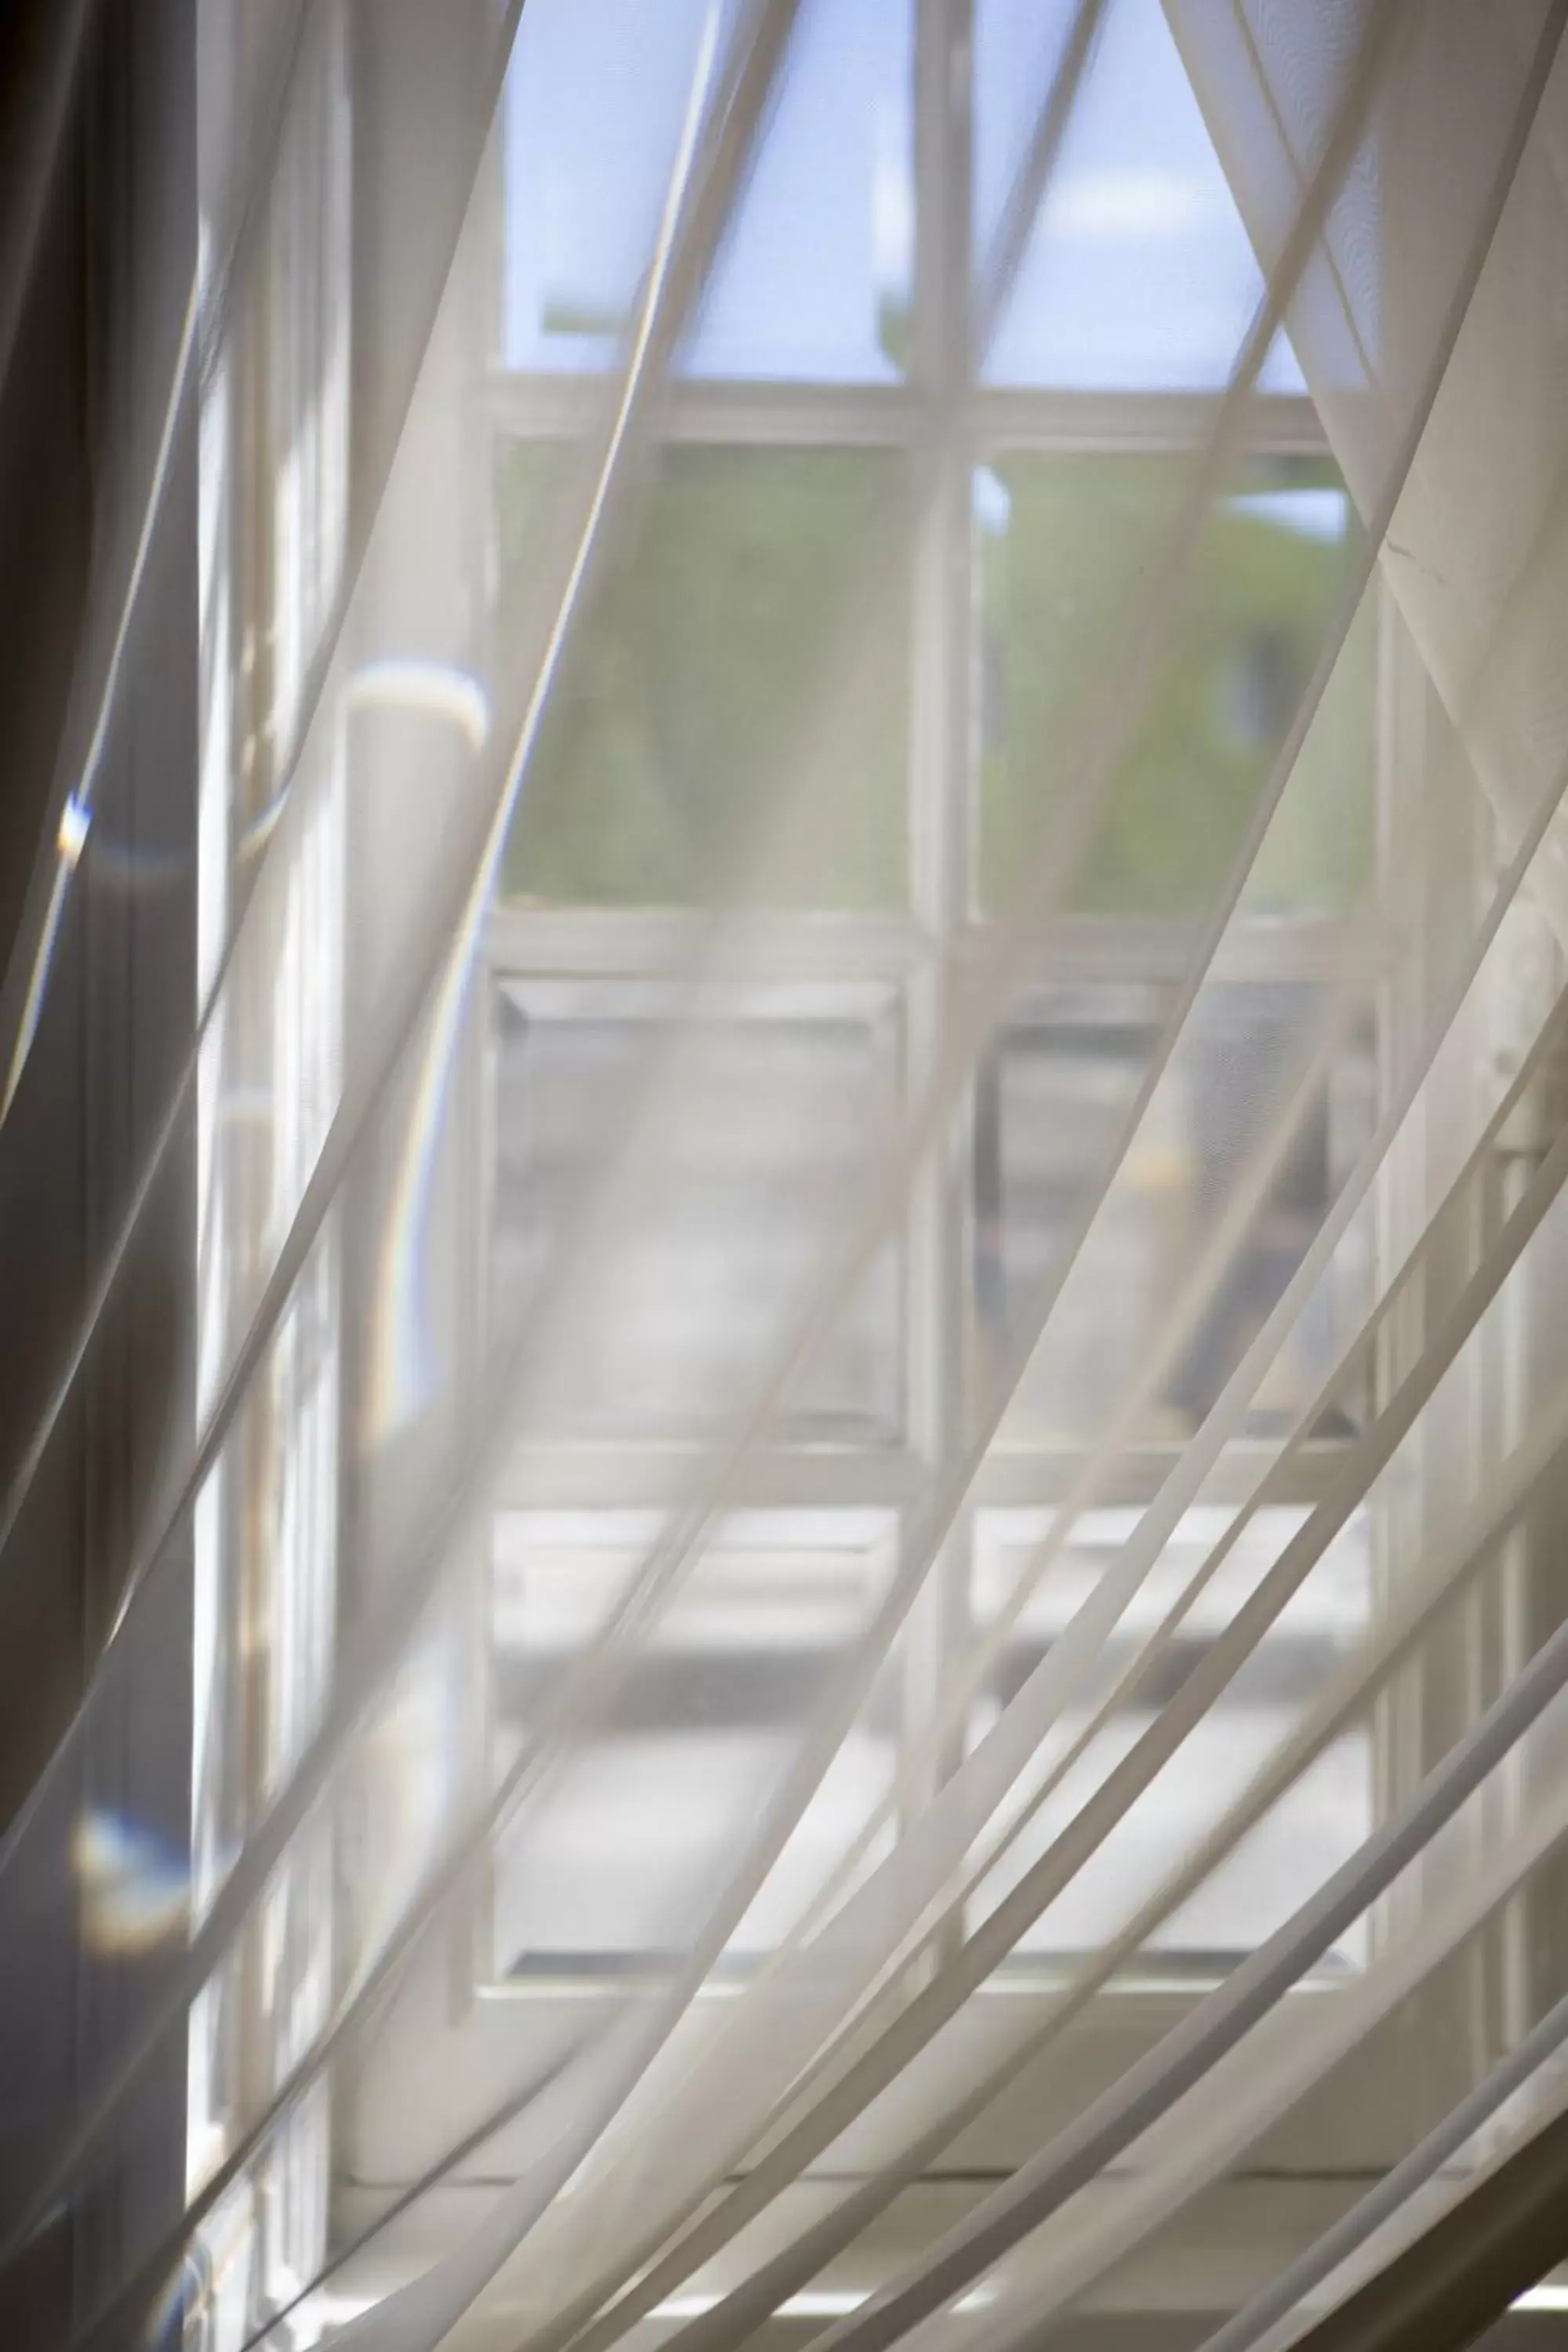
(1401, 171)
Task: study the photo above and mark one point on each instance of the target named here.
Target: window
(816, 614)
(813, 729)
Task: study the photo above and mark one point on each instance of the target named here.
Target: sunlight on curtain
(878, 1105)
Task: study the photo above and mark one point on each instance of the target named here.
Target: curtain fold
(1467, 558)
(715, 2128)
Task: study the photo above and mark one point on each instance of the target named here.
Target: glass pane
(595, 97)
(1047, 1116)
(764, 1126)
(1315, 1827)
(1063, 546)
(816, 278)
(609, 1877)
(1138, 276)
(813, 278)
(734, 723)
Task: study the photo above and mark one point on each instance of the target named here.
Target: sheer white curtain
(1472, 553)
(699, 2143)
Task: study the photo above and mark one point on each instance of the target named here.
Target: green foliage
(734, 723)
(709, 696)
(1060, 587)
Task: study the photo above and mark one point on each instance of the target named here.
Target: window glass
(732, 728)
(1316, 1825)
(595, 97)
(766, 1124)
(1064, 546)
(734, 720)
(816, 278)
(608, 1879)
(1048, 1112)
(1138, 276)
(812, 280)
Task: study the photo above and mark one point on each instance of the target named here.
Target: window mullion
(939, 813)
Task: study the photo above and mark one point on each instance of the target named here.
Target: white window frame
(455, 2038)
(919, 954)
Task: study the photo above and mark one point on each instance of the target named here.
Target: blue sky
(1139, 275)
